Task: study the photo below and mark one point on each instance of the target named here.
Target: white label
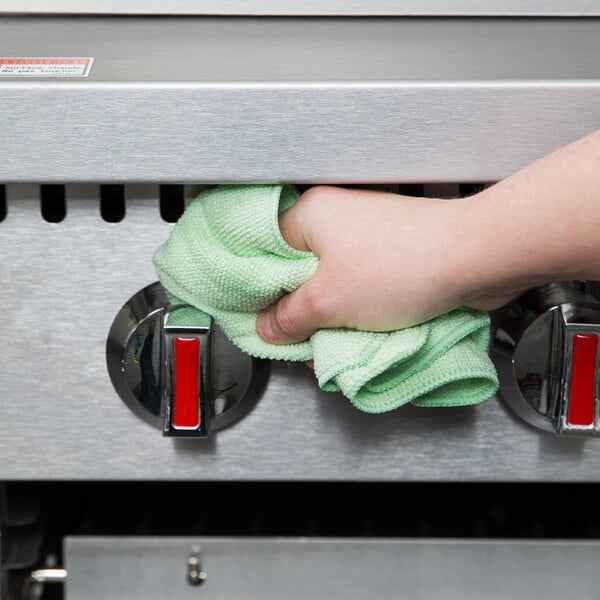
(45, 67)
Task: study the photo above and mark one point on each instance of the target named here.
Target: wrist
(540, 225)
(499, 256)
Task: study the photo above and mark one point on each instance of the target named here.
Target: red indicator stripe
(583, 376)
(43, 61)
(186, 352)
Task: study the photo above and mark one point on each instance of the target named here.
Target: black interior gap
(112, 203)
(2, 202)
(172, 202)
(54, 207)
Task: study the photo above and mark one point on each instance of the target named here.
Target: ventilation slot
(410, 189)
(54, 208)
(2, 203)
(468, 189)
(112, 203)
(172, 202)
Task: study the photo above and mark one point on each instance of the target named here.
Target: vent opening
(411, 189)
(469, 189)
(2, 203)
(172, 202)
(54, 208)
(112, 203)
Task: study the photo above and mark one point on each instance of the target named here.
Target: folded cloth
(226, 256)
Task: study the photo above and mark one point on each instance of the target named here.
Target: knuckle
(320, 305)
(298, 316)
(315, 195)
(311, 193)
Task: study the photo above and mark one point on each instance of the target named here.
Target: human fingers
(296, 316)
(291, 225)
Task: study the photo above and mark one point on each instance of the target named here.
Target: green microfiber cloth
(226, 256)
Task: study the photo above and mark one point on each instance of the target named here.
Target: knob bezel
(140, 366)
(532, 348)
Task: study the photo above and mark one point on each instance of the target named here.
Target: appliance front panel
(61, 418)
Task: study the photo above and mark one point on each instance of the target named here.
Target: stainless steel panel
(307, 7)
(206, 100)
(421, 133)
(243, 568)
(60, 418)
(295, 51)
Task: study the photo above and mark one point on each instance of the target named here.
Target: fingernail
(265, 328)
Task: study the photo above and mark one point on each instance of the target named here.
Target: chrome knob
(176, 370)
(545, 347)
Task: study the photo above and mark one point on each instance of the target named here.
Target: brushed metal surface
(295, 50)
(60, 418)
(306, 7)
(243, 568)
(209, 100)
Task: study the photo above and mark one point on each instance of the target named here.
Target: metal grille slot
(112, 203)
(468, 189)
(2, 203)
(54, 208)
(172, 202)
(58, 201)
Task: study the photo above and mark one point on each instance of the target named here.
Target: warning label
(45, 67)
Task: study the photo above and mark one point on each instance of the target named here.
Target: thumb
(295, 317)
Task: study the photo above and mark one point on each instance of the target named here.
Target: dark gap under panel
(439, 510)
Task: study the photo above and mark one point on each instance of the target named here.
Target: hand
(386, 262)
